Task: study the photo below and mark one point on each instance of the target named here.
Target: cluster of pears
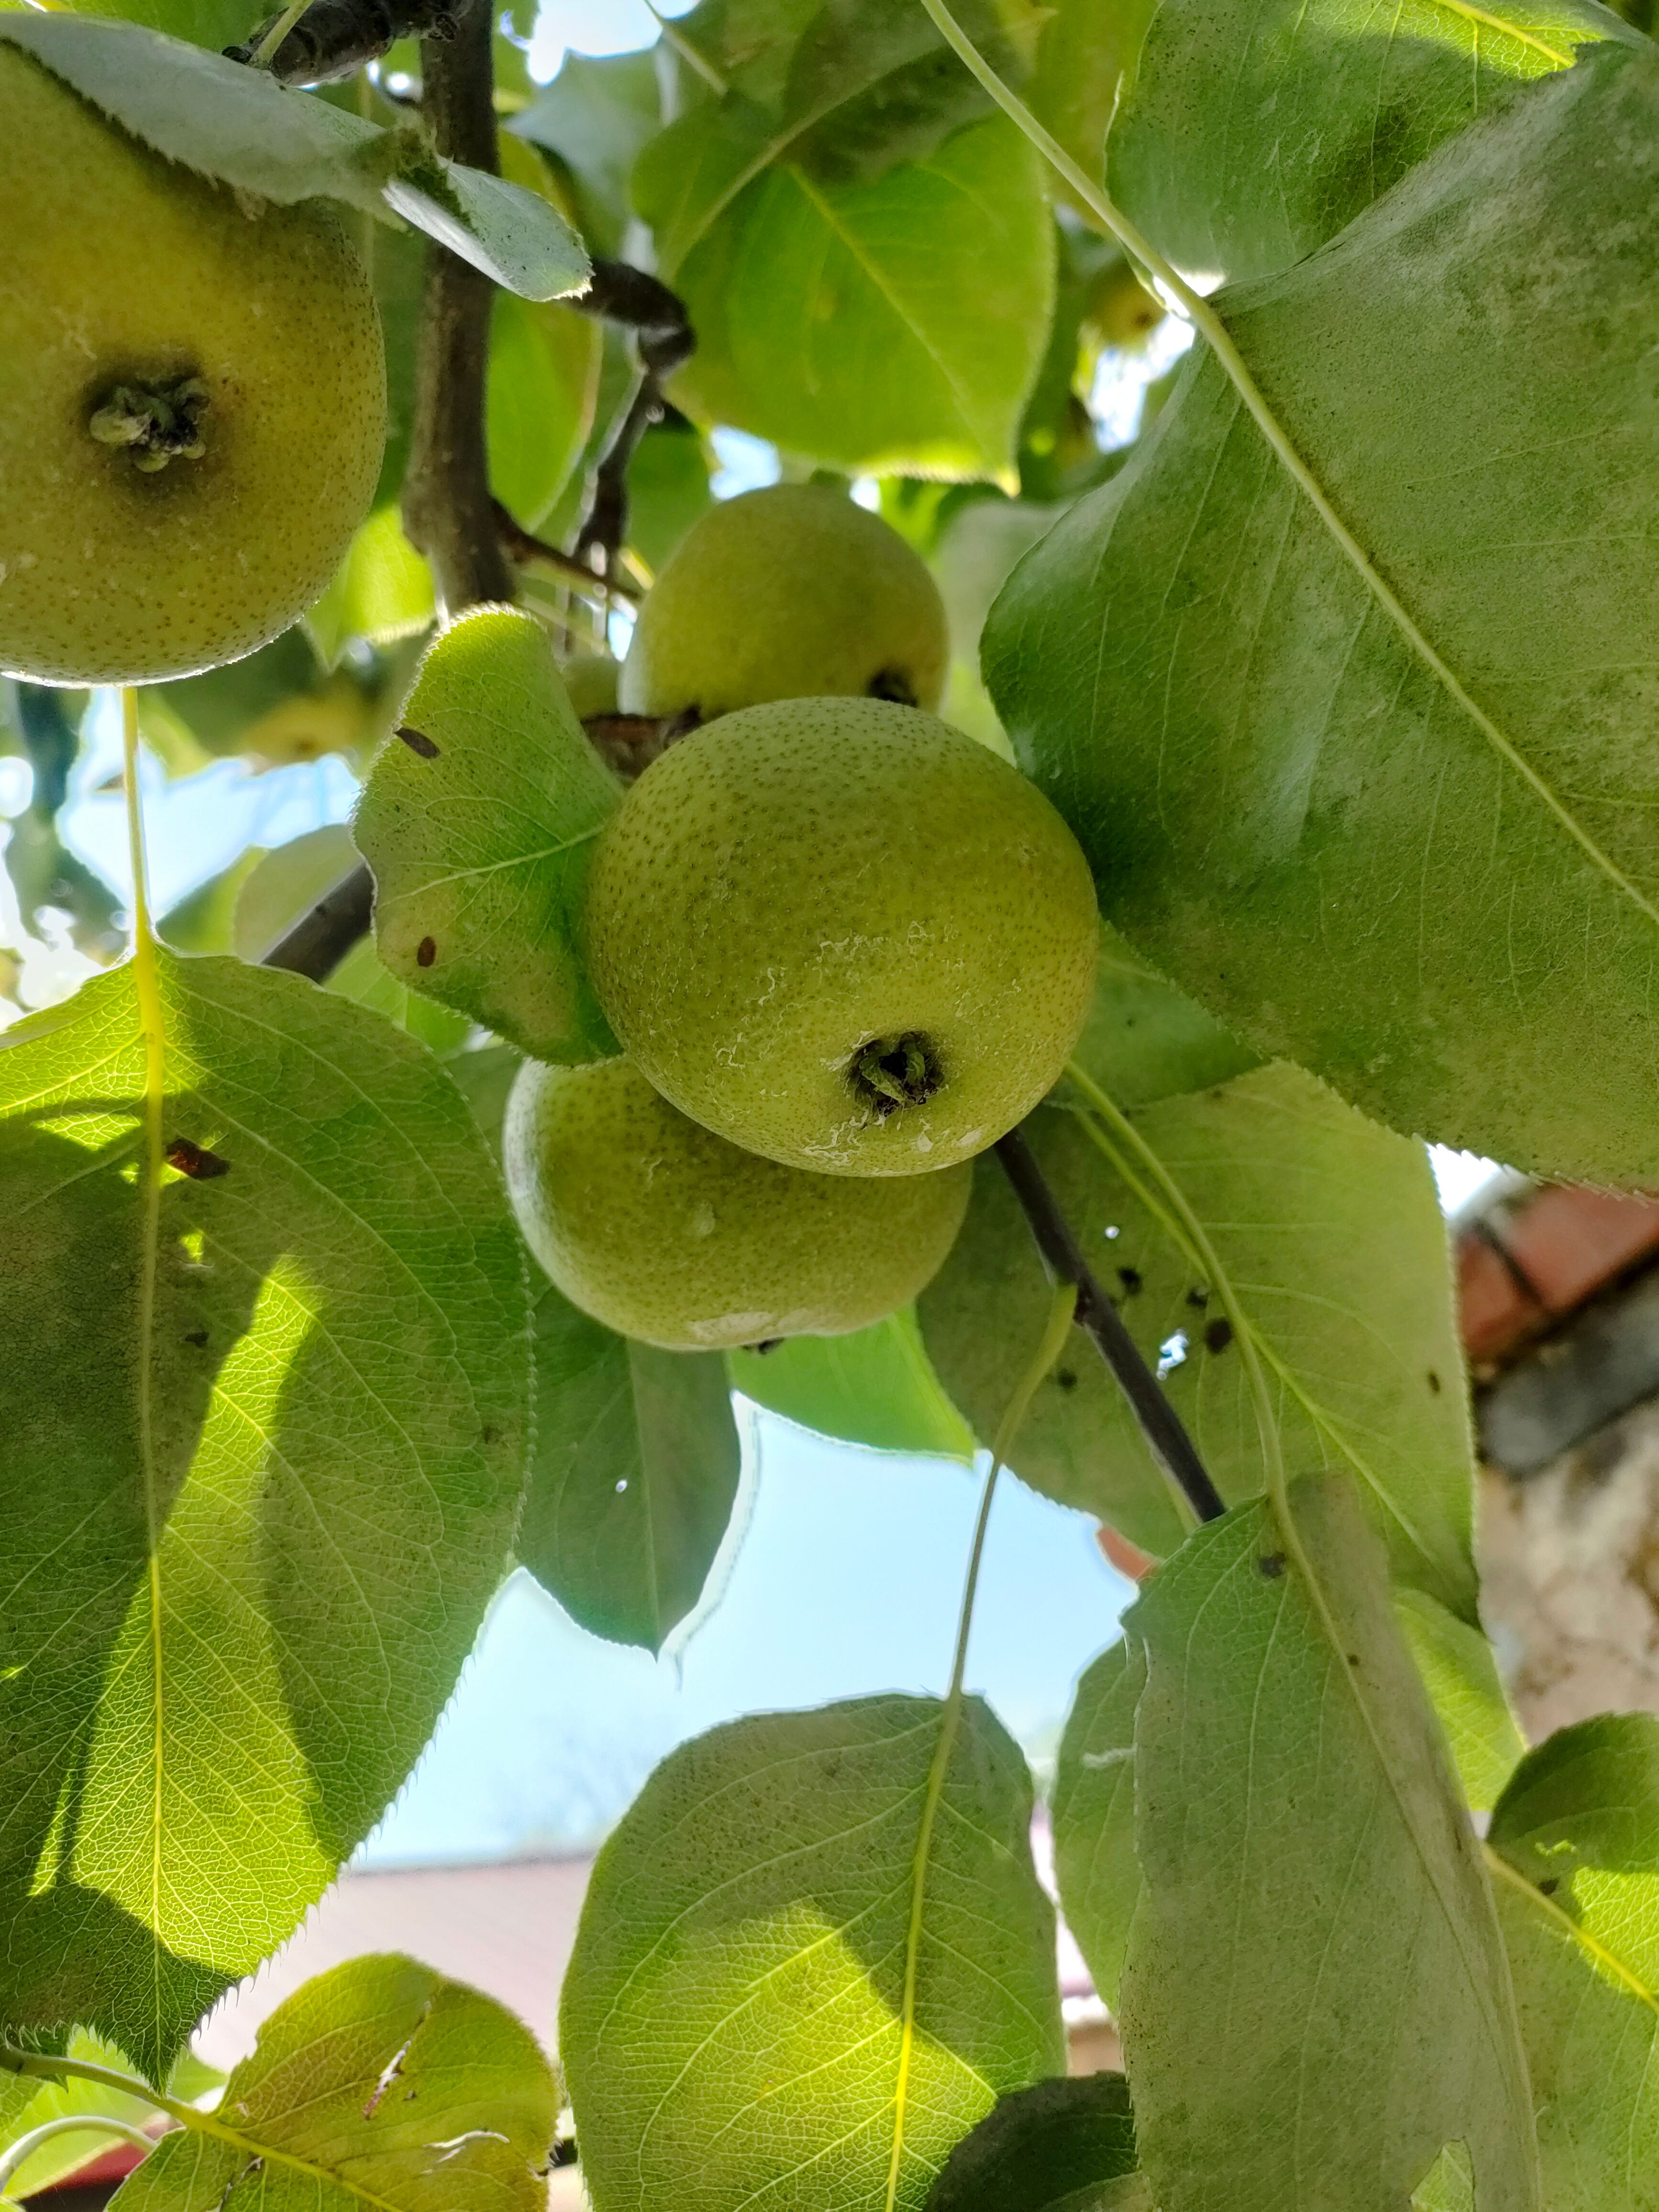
(844, 947)
(193, 401)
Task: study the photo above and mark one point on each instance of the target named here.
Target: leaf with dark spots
(195, 1160)
(418, 742)
(1218, 1333)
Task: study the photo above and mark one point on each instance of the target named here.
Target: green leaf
(893, 324)
(1448, 2185)
(633, 1477)
(381, 590)
(381, 2085)
(203, 921)
(735, 2023)
(1094, 1814)
(876, 1387)
(1064, 2146)
(265, 1447)
(1329, 1231)
(667, 488)
(1575, 1845)
(543, 383)
(1288, 811)
(1086, 48)
(1314, 1921)
(595, 117)
(27, 2103)
(215, 24)
(480, 835)
(1251, 132)
(1144, 1041)
(1459, 1672)
(226, 120)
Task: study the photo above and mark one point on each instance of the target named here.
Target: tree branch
(447, 509)
(325, 932)
(1162, 1426)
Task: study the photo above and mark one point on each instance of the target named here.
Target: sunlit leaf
(1329, 1231)
(1459, 1672)
(1314, 1921)
(735, 2022)
(1287, 808)
(265, 1446)
(1576, 1845)
(478, 820)
(1251, 131)
(378, 2085)
(876, 1387)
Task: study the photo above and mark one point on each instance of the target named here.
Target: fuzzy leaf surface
(237, 123)
(1576, 1845)
(1287, 809)
(1093, 1810)
(480, 846)
(1330, 1233)
(875, 1387)
(633, 1478)
(1316, 1920)
(1251, 131)
(378, 2085)
(897, 323)
(733, 2022)
(262, 1467)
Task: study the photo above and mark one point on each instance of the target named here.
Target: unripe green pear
(841, 934)
(590, 682)
(791, 593)
(665, 1232)
(193, 401)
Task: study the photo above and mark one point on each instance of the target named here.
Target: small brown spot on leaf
(195, 1336)
(418, 742)
(1354, 1658)
(1066, 1379)
(1548, 1886)
(1434, 1382)
(1271, 1564)
(1218, 1334)
(426, 952)
(1198, 1297)
(195, 1160)
(1130, 1278)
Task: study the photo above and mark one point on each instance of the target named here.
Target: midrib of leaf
(1210, 325)
(1498, 1866)
(1325, 1421)
(51, 2068)
(496, 867)
(1062, 1308)
(652, 1578)
(1478, 15)
(1279, 1504)
(152, 1022)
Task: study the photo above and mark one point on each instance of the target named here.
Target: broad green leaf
(1064, 2146)
(1459, 1673)
(27, 2103)
(594, 117)
(1251, 131)
(738, 2024)
(1144, 1041)
(378, 2085)
(1094, 1813)
(876, 1387)
(381, 590)
(1082, 56)
(1330, 1234)
(215, 24)
(478, 819)
(265, 1447)
(1575, 1846)
(1314, 1921)
(543, 383)
(633, 1478)
(892, 324)
(1288, 811)
(226, 120)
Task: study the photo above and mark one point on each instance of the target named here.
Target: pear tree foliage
(1333, 650)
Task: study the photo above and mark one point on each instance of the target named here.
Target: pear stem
(1162, 1426)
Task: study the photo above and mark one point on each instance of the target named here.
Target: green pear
(590, 682)
(791, 593)
(841, 934)
(193, 401)
(665, 1232)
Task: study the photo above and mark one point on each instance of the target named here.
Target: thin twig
(448, 513)
(1162, 1426)
(520, 545)
(324, 933)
